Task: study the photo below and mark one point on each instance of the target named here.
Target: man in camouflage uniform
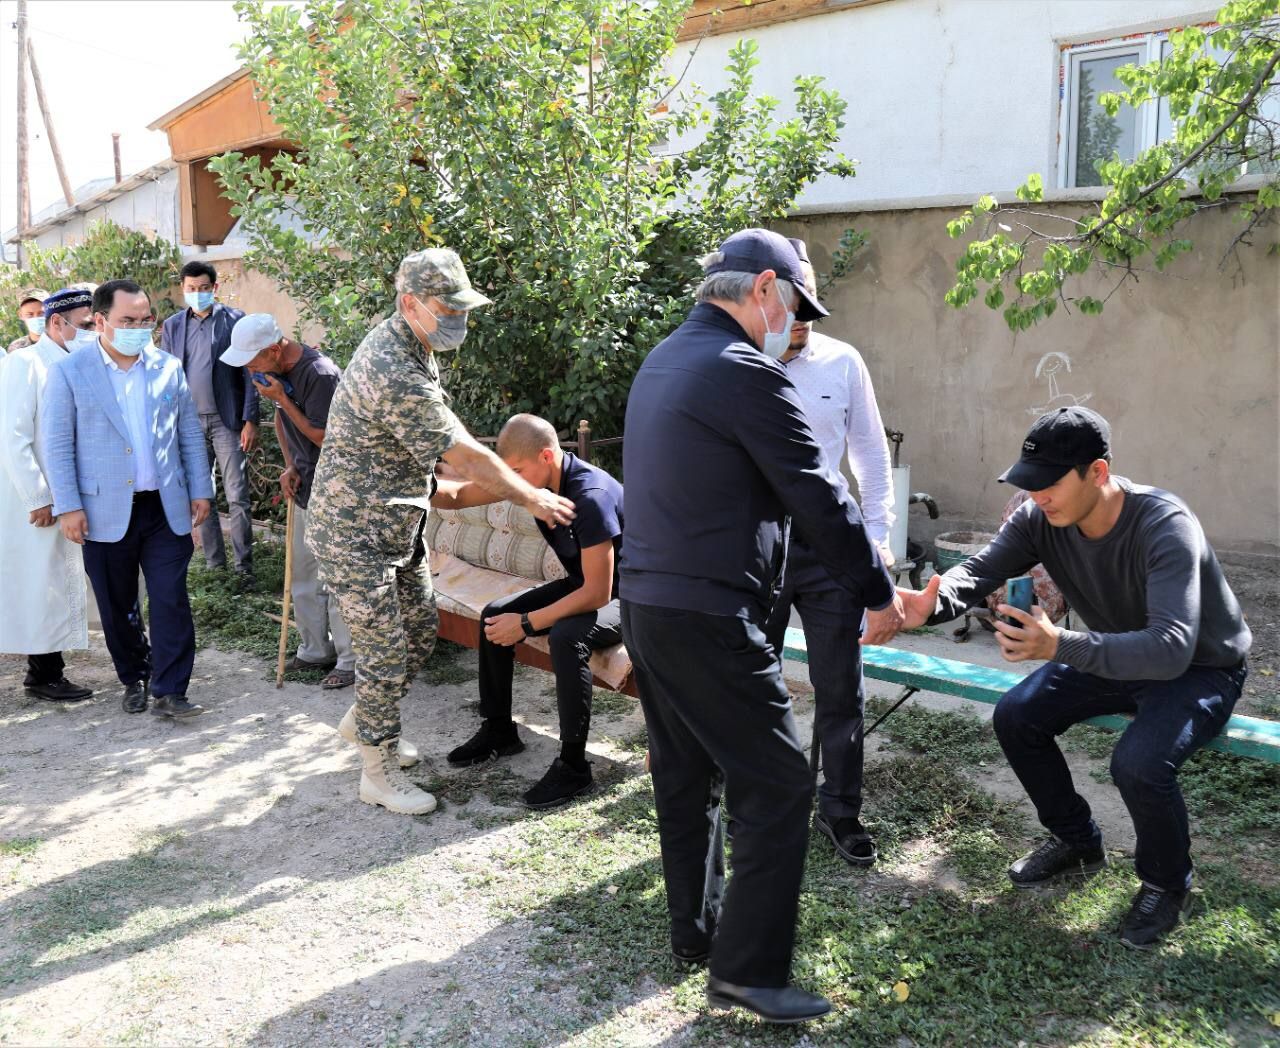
(388, 424)
(31, 313)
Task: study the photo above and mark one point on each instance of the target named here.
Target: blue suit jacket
(90, 462)
(235, 395)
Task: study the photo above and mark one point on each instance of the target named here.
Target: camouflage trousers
(391, 613)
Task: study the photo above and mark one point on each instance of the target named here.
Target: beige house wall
(254, 292)
(1185, 364)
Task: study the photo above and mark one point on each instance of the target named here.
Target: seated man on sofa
(579, 612)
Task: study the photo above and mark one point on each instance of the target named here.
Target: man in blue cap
(1166, 642)
(719, 460)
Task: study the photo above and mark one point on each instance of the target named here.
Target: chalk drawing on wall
(1049, 367)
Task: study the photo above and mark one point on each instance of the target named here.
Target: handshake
(909, 610)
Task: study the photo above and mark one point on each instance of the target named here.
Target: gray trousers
(324, 634)
(223, 446)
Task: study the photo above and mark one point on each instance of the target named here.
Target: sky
(106, 65)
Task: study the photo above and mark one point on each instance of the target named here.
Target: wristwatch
(527, 626)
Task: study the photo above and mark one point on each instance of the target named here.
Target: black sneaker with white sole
(559, 786)
(489, 742)
(1153, 915)
(1054, 859)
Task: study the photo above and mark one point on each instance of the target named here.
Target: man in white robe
(41, 572)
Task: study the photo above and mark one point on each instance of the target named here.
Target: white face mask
(777, 342)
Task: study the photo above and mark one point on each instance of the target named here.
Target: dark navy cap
(1058, 442)
(67, 299)
(754, 251)
(802, 249)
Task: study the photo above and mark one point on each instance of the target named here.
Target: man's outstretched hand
(883, 625)
(918, 605)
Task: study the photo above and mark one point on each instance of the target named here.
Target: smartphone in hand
(1019, 593)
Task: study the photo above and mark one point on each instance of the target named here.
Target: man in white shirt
(840, 403)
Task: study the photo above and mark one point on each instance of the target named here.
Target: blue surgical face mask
(131, 341)
(777, 342)
(35, 325)
(199, 300)
(82, 339)
(450, 332)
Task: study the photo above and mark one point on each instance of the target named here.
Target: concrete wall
(253, 292)
(945, 96)
(1185, 365)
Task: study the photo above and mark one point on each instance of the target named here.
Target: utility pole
(24, 192)
(115, 152)
(48, 124)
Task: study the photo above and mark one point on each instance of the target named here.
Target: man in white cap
(300, 381)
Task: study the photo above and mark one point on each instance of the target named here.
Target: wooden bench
(1251, 737)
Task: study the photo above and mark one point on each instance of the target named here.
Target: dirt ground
(218, 881)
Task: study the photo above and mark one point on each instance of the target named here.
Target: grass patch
(20, 847)
(612, 703)
(962, 737)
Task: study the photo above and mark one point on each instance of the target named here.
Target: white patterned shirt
(840, 402)
(130, 388)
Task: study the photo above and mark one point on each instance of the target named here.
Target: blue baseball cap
(754, 251)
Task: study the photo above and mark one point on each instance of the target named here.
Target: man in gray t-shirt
(1166, 643)
(300, 381)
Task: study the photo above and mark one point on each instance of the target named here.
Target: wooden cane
(288, 587)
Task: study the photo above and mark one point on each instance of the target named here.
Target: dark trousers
(832, 622)
(717, 710)
(1172, 719)
(44, 669)
(572, 640)
(149, 544)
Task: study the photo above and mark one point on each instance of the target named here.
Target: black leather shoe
(559, 786)
(176, 707)
(853, 843)
(487, 743)
(245, 582)
(135, 697)
(1054, 859)
(694, 956)
(774, 1004)
(1153, 915)
(59, 691)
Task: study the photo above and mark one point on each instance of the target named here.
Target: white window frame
(1147, 48)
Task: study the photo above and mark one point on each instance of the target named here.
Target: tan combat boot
(405, 750)
(382, 782)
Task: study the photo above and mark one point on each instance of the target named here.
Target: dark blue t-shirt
(597, 500)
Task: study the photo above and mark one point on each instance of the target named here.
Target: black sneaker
(560, 785)
(175, 707)
(59, 691)
(1054, 859)
(852, 842)
(245, 582)
(487, 743)
(1152, 916)
(135, 697)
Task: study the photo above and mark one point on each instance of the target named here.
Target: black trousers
(44, 669)
(832, 622)
(718, 711)
(150, 544)
(572, 640)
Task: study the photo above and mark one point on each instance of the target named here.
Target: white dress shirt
(840, 402)
(131, 395)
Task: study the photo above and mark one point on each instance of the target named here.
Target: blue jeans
(1172, 719)
(223, 446)
(832, 622)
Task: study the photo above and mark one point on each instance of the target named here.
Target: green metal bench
(1243, 736)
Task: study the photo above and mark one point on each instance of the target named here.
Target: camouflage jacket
(19, 343)
(388, 423)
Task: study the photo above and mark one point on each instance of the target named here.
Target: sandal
(297, 665)
(338, 679)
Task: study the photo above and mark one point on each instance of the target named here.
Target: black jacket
(718, 455)
(233, 392)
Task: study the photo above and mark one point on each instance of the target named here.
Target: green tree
(528, 136)
(108, 252)
(1222, 87)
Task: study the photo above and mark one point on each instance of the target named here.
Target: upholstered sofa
(481, 554)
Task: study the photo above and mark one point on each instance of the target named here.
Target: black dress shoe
(695, 955)
(1054, 859)
(135, 697)
(59, 691)
(559, 786)
(176, 707)
(487, 743)
(774, 1004)
(853, 843)
(1153, 915)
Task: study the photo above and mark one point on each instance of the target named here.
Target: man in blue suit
(226, 405)
(129, 475)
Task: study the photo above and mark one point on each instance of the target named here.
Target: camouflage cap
(32, 294)
(438, 272)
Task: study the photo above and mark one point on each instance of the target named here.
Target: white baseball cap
(253, 333)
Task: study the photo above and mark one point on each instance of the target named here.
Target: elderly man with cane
(719, 459)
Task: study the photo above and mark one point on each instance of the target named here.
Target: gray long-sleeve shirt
(1151, 588)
